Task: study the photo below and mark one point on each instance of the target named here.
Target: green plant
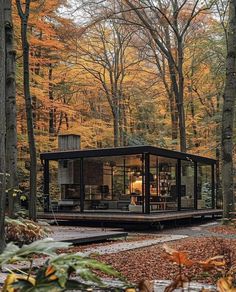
(56, 274)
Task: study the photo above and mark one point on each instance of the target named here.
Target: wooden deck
(125, 217)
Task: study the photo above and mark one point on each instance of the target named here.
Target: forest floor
(152, 263)
(141, 256)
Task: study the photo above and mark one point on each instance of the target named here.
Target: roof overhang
(122, 151)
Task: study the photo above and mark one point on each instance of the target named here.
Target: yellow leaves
(212, 263)
(13, 278)
(225, 285)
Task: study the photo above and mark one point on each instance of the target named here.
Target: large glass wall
(163, 191)
(114, 183)
(117, 183)
(187, 185)
(204, 186)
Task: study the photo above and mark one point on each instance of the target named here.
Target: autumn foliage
(224, 284)
(86, 77)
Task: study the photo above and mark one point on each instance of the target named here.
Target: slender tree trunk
(174, 116)
(194, 125)
(192, 110)
(179, 98)
(67, 121)
(59, 123)
(28, 104)
(2, 129)
(116, 128)
(228, 115)
(125, 122)
(121, 123)
(11, 129)
(51, 111)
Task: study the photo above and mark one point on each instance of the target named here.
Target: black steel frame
(145, 151)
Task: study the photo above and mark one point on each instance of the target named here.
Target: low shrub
(24, 231)
(56, 273)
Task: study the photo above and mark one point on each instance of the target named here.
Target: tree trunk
(28, 104)
(116, 128)
(11, 128)
(192, 110)
(125, 122)
(121, 123)
(51, 111)
(179, 98)
(174, 116)
(228, 115)
(2, 129)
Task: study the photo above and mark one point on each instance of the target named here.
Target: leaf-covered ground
(223, 229)
(152, 263)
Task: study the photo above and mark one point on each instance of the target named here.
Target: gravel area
(126, 246)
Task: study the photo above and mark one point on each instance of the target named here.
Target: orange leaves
(225, 285)
(50, 273)
(182, 259)
(212, 263)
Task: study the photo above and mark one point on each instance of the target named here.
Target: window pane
(204, 186)
(163, 189)
(187, 184)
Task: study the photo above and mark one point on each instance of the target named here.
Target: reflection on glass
(187, 184)
(204, 186)
(163, 191)
(114, 183)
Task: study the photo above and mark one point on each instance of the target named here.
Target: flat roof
(122, 151)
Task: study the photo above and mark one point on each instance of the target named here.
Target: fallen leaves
(223, 229)
(212, 263)
(225, 285)
(178, 257)
(152, 263)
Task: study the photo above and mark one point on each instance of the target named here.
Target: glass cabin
(140, 179)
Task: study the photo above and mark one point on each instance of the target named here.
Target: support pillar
(213, 185)
(178, 184)
(195, 186)
(81, 185)
(147, 182)
(46, 199)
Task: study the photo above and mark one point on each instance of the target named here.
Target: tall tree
(168, 24)
(11, 130)
(228, 114)
(23, 11)
(2, 128)
(108, 56)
